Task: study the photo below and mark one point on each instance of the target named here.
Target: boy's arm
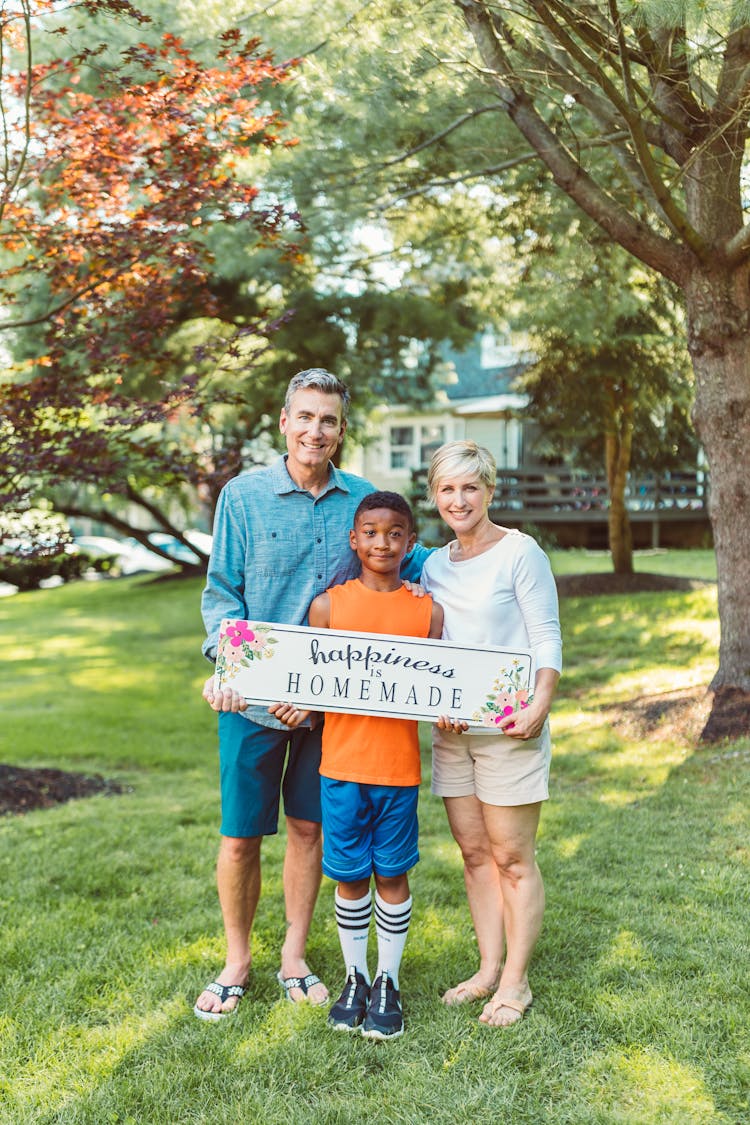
(319, 618)
(320, 612)
(436, 622)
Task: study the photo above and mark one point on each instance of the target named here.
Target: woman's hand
(529, 721)
(226, 700)
(414, 588)
(524, 724)
(446, 723)
(288, 714)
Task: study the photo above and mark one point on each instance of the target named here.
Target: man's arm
(436, 622)
(224, 593)
(411, 567)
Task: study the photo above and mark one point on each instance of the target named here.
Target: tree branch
(12, 183)
(632, 115)
(738, 247)
(652, 248)
(493, 170)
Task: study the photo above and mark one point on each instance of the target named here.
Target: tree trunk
(617, 451)
(718, 314)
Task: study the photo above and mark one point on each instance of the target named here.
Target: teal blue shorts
(258, 765)
(368, 828)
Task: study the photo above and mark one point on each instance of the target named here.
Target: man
(281, 537)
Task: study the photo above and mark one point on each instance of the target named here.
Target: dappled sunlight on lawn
(73, 1059)
(648, 1086)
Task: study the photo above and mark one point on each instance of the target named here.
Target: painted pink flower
(239, 632)
(232, 655)
(504, 701)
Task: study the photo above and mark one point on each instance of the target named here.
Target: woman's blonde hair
(461, 457)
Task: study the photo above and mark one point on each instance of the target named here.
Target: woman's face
(462, 501)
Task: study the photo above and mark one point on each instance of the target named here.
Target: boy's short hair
(457, 457)
(320, 380)
(391, 500)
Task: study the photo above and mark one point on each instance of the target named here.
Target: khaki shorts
(493, 767)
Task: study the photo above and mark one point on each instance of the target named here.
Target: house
(476, 402)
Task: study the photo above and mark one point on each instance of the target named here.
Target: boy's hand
(226, 700)
(414, 588)
(288, 714)
(446, 723)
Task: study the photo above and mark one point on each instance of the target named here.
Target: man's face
(313, 428)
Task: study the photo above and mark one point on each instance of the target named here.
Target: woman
(496, 588)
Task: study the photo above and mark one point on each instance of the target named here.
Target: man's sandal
(223, 991)
(304, 984)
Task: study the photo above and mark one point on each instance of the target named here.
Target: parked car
(178, 550)
(131, 557)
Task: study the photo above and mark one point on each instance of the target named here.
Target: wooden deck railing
(561, 491)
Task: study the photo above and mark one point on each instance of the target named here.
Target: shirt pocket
(277, 553)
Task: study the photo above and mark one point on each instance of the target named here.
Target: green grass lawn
(685, 564)
(110, 924)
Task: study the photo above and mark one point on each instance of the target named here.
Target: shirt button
(319, 540)
(320, 576)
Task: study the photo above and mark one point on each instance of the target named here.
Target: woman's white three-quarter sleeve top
(505, 597)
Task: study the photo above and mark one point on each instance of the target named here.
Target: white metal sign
(372, 673)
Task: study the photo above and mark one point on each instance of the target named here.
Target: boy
(370, 774)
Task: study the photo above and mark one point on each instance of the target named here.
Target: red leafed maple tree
(108, 196)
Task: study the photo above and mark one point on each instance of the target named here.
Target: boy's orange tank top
(371, 748)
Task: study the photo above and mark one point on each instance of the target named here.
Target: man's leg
(304, 849)
(302, 876)
(252, 760)
(238, 878)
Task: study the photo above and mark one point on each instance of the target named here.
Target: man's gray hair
(320, 380)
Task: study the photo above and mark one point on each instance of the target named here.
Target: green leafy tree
(611, 385)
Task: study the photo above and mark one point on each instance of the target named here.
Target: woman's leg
(512, 834)
(484, 893)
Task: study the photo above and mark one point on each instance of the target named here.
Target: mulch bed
(587, 585)
(24, 789)
(687, 714)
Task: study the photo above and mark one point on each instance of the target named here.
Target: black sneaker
(351, 1007)
(384, 1019)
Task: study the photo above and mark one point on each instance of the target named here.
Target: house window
(431, 438)
(402, 447)
(411, 447)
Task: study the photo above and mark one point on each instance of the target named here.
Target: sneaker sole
(345, 1026)
(381, 1035)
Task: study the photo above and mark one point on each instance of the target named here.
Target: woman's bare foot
(507, 1006)
(475, 988)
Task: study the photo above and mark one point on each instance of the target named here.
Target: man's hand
(288, 714)
(226, 700)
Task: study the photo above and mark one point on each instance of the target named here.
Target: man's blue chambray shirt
(276, 547)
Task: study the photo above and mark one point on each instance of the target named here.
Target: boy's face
(381, 538)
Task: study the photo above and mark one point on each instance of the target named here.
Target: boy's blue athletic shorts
(368, 828)
(255, 769)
